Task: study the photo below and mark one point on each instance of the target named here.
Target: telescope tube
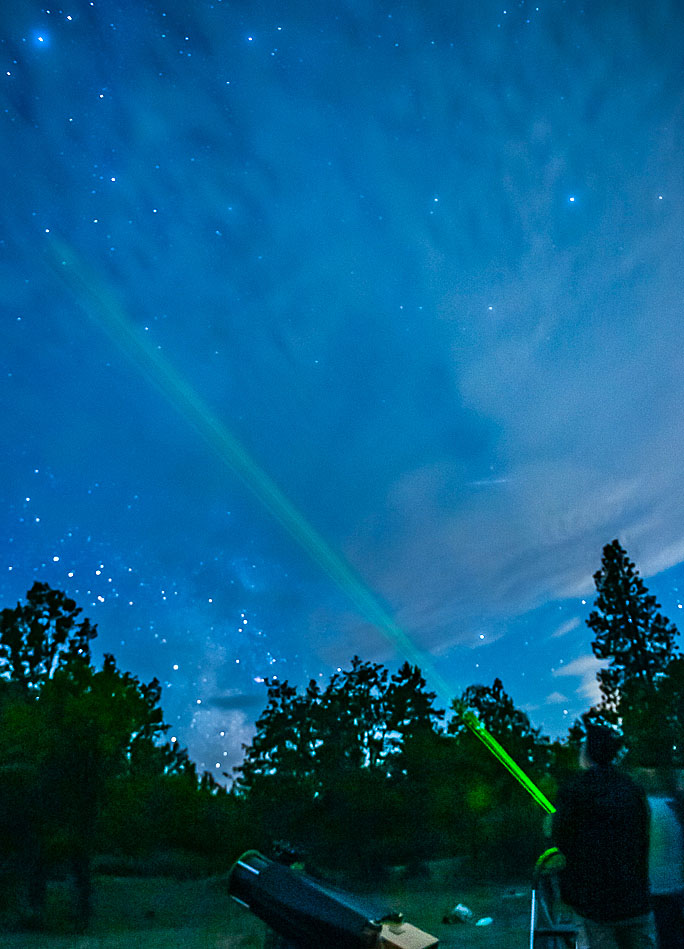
(298, 908)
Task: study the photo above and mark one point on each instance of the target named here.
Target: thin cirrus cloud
(584, 668)
(566, 627)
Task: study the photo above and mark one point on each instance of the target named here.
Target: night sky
(417, 264)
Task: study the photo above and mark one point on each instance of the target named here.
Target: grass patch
(507, 905)
(146, 913)
(163, 913)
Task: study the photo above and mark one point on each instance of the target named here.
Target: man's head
(600, 746)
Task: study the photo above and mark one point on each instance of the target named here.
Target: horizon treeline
(351, 777)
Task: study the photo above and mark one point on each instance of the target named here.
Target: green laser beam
(489, 741)
(101, 306)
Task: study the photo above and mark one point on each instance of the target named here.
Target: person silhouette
(601, 826)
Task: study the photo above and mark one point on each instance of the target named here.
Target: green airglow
(101, 306)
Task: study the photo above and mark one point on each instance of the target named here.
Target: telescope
(309, 915)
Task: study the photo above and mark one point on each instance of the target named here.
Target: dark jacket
(601, 825)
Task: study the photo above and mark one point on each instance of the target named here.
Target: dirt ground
(132, 913)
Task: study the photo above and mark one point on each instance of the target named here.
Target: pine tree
(629, 631)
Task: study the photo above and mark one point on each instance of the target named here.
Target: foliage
(41, 636)
(147, 817)
(68, 733)
(361, 773)
(360, 720)
(330, 759)
(628, 628)
(494, 808)
(641, 687)
(511, 726)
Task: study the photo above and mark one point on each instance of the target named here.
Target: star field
(420, 267)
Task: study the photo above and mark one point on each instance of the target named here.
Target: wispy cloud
(566, 627)
(584, 668)
(555, 698)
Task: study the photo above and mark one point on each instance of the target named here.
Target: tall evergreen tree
(629, 631)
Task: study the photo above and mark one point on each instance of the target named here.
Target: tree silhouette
(66, 730)
(511, 726)
(354, 719)
(285, 737)
(641, 685)
(499, 822)
(412, 717)
(638, 641)
(42, 635)
(328, 759)
(359, 720)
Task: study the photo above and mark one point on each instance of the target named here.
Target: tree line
(355, 775)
